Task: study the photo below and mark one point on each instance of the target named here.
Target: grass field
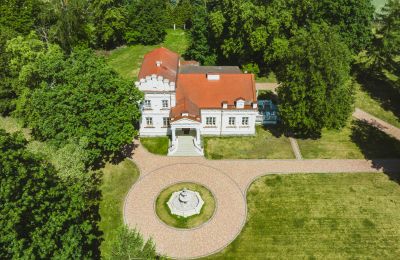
(262, 146)
(379, 3)
(365, 101)
(156, 145)
(128, 59)
(117, 180)
(320, 216)
(358, 140)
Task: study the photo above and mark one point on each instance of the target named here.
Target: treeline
(309, 45)
(96, 24)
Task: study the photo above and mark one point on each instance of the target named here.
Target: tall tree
(147, 22)
(316, 90)
(43, 216)
(199, 48)
(81, 97)
(110, 21)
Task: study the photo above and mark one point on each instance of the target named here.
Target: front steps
(186, 147)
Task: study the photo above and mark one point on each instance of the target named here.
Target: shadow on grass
(381, 89)
(377, 146)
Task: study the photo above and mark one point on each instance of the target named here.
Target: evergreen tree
(316, 90)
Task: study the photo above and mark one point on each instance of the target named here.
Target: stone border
(187, 229)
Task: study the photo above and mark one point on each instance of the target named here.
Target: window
(147, 104)
(210, 121)
(166, 121)
(232, 121)
(165, 104)
(149, 121)
(245, 121)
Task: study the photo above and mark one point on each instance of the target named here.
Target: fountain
(185, 203)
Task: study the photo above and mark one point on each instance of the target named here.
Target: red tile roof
(169, 64)
(195, 92)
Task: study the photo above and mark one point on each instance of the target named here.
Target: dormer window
(239, 103)
(158, 63)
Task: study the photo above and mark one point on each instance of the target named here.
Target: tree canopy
(316, 90)
(41, 215)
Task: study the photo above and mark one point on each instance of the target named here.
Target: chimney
(158, 63)
(211, 76)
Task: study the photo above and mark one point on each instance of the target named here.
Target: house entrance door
(186, 131)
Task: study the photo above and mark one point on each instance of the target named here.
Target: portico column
(198, 135)
(173, 129)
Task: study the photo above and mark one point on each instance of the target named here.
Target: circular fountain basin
(185, 203)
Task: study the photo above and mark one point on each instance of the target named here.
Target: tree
(129, 244)
(316, 90)
(43, 216)
(19, 15)
(386, 48)
(147, 22)
(110, 22)
(81, 97)
(199, 48)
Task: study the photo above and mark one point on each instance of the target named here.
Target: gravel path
(228, 180)
(380, 124)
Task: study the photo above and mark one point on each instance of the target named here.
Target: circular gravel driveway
(209, 238)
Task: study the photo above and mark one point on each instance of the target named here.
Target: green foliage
(41, 215)
(315, 90)
(130, 244)
(147, 22)
(80, 97)
(19, 15)
(199, 49)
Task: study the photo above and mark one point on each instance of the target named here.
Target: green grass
(270, 79)
(320, 216)
(379, 4)
(206, 212)
(262, 146)
(127, 60)
(358, 140)
(117, 180)
(156, 145)
(365, 102)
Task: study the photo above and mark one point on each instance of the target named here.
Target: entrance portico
(187, 130)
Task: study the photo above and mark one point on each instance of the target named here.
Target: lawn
(117, 180)
(365, 102)
(357, 140)
(127, 60)
(379, 4)
(320, 216)
(265, 145)
(156, 145)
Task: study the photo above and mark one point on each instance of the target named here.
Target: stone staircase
(186, 147)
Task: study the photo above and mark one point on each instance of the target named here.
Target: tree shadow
(380, 88)
(276, 130)
(382, 149)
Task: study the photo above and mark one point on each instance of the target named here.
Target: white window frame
(165, 103)
(147, 103)
(232, 121)
(210, 121)
(149, 121)
(166, 122)
(245, 120)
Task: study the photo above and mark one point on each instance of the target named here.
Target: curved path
(228, 180)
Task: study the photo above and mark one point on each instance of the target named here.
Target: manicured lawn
(156, 145)
(163, 211)
(117, 180)
(365, 102)
(262, 146)
(356, 141)
(127, 60)
(320, 216)
(270, 79)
